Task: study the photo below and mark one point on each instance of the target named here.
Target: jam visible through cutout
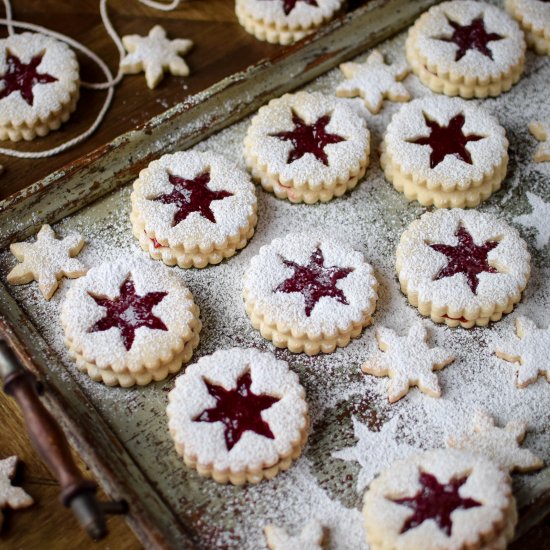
(471, 37)
(466, 257)
(129, 312)
(289, 5)
(314, 280)
(447, 140)
(239, 410)
(22, 77)
(308, 138)
(192, 196)
(435, 501)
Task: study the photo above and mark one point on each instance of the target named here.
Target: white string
(160, 6)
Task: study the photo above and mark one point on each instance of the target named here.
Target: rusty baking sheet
(122, 433)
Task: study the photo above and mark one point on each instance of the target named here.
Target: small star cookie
(47, 260)
(501, 445)
(14, 497)
(529, 351)
(312, 537)
(374, 81)
(537, 219)
(541, 130)
(153, 54)
(408, 360)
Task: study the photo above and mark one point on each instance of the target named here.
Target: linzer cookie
(534, 18)
(284, 21)
(445, 152)
(462, 267)
(39, 85)
(238, 416)
(444, 499)
(193, 209)
(130, 322)
(466, 48)
(307, 147)
(308, 294)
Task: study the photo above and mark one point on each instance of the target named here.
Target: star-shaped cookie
(501, 445)
(541, 130)
(537, 219)
(408, 361)
(312, 537)
(529, 350)
(47, 260)
(374, 81)
(14, 497)
(153, 54)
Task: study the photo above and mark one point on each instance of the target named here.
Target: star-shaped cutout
(14, 497)
(529, 350)
(471, 37)
(501, 445)
(308, 138)
(541, 130)
(314, 281)
(312, 537)
(23, 77)
(436, 501)
(289, 5)
(374, 81)
(153, 54)
(129, 312)
(408, 361)
(537, 219)
(447, 140)
(374, 451)
(466, 257)
(239, 410)
(190, 196)
(47, 260)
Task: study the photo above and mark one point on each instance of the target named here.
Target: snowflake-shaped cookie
(153, 54)
(541, 130)
(374, 451)
(537, 219)
(501, 445)
(408, 361)
(374, 81)
(14, 497)
(529, 350)
(312, 537)
(47, 260)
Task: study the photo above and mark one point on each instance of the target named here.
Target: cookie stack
(284, 21)
(534, 18)
(193, 209)
(466, 48)
(130, 322)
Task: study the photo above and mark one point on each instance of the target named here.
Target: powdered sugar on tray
(371, 219)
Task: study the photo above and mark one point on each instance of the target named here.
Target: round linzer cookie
(466, 48)
(309, 294)
(534, 18)
(193, 209)
(445, 152)
(130, 322)
(307, 147)
(444, 499)
(284, 21)
(462, 267)
(39, 85)
(238, 416)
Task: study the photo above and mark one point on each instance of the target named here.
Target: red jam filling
(238, 409)
(466, 257)
(289, 5)
(22, 77)
(435, 501)
(308, 138)
(156, 244)
(129, 312)
(192, 196)
(447, 140)
(461, 319)
(314, 281)
(471, 37)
